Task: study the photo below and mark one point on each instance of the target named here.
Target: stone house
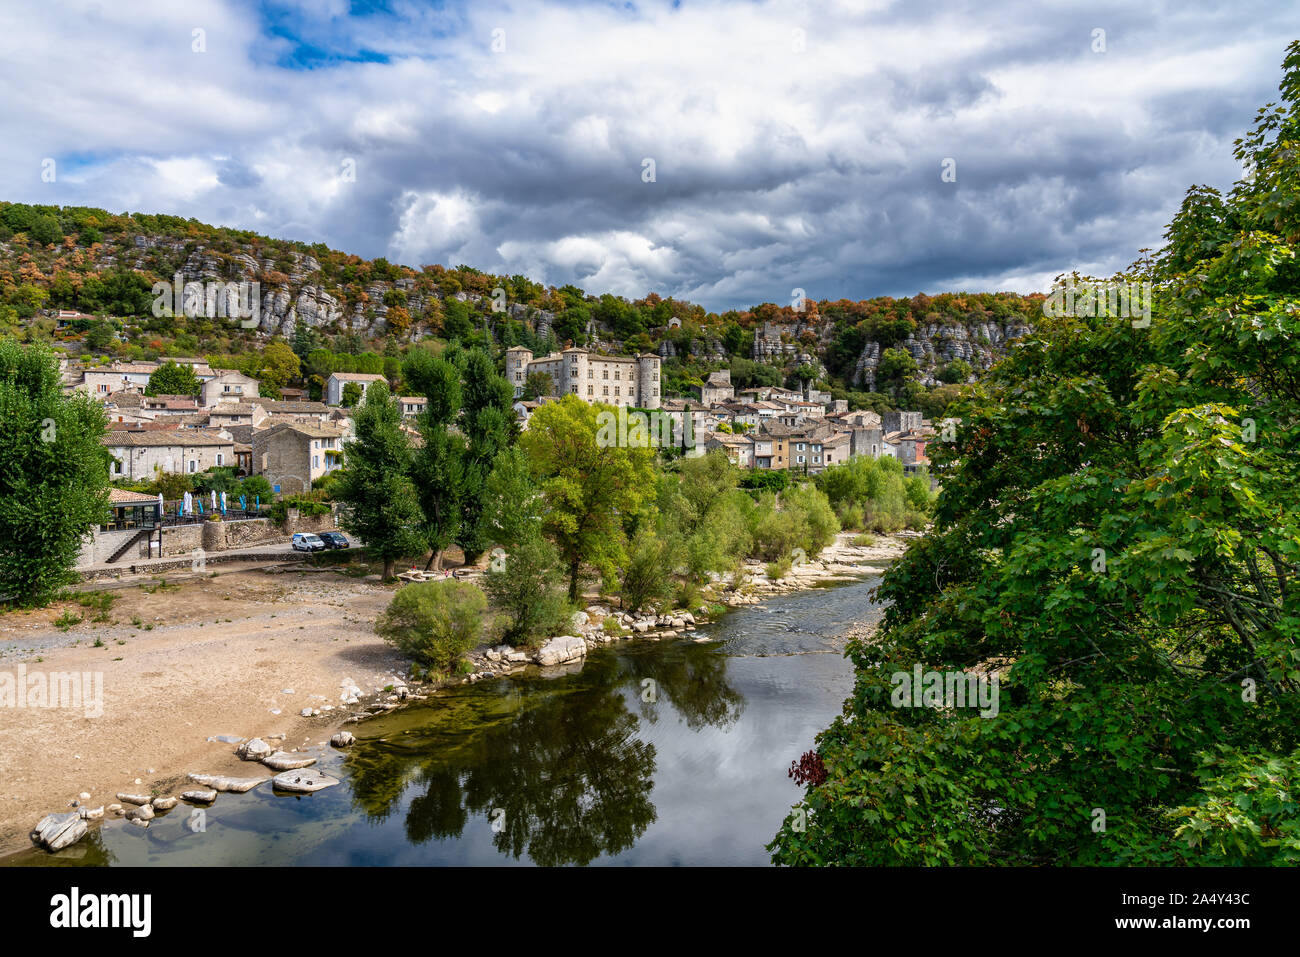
(292, 455)
(337, 381)
(228, 386)
(717, 388)
(141, 455)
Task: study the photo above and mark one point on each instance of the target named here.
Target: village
(295, 442)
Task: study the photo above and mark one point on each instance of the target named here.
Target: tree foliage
(53, 474)
(1118, 538)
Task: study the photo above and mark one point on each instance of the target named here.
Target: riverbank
(191, 667)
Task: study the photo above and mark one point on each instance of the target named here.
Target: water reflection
(650, 753)
(562, 773)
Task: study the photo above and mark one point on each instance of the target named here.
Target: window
(616, 390)
(194, 466)
(801, 449)
(591, 390)
(604, 373)
(606, 388)
(616, 373)
(575, 389)
(591, 373)
(799, 460)
(221, 459)
(315, 461)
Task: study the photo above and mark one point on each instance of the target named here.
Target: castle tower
(647, 381)
(573, 373)
(517, 359)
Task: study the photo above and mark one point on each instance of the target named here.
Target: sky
(727, 153)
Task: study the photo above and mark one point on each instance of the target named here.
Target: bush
(645, 575)
(688, 596)
(916, 521)
(435, 622)
(530, 589)
(255, 486)
(309, 503)
(864, 541)
(780, 568)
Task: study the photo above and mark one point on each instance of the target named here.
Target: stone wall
(181, 540)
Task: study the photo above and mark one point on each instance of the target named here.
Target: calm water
(649, 754)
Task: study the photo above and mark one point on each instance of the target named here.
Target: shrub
(67, 620)
(530, 589)
(864, 541)
(916, 521)
(435, 622)
(780, 568)
(645, 575)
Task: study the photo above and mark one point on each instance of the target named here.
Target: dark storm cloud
(795, 145)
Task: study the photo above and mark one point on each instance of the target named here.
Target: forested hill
(105, 264)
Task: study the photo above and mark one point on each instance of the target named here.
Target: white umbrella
(214, 500)
(223, 501)
(161, 506)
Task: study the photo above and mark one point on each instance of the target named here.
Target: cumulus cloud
(795, 144)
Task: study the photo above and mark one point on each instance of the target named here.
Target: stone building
(292, 455)
(614, 380)
(141, 455)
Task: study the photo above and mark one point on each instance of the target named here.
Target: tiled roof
(173, 437)
(120, 496)
(293, 407)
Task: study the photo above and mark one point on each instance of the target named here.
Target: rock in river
(342, 739)
(280, 761)
(163, 803)
(222, 782)
(560, 650)
(304, 782)
(199, 796)
(136, 799)
(57, 831)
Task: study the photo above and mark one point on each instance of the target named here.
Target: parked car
(334, 540)
(307, 542)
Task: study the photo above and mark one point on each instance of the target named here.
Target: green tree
(172, 378)
(487, 421)
(956, 371)
(590, 491)
(896, 367)
(439, 461)
(1117, 537)
(538, 384)
(528, 587)
(382, 508)
(53, 474)
(279, 366)
(351, 395)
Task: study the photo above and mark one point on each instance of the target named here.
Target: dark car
(334, 540)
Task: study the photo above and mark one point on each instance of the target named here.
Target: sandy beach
(240, 654)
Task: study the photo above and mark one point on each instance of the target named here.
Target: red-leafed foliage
(809, 769)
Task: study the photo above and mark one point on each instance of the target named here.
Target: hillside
(104, 264)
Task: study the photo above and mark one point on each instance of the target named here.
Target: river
(649, 753)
